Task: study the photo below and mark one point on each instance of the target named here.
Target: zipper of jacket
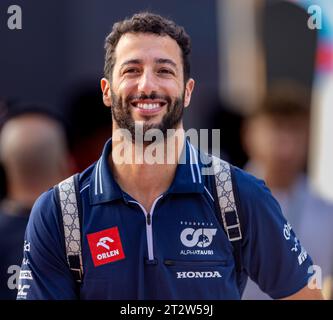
(149, 228)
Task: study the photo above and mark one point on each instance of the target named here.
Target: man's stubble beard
(121, 114)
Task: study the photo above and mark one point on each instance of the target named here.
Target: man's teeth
(148, 106)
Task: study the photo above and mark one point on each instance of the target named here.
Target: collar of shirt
(188, 177)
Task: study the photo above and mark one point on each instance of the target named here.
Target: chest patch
(105, 246)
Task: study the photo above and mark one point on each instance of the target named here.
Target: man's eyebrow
(131, 61)
(158, 61)
(168, 61)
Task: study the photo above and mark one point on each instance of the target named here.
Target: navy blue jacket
(179, 250)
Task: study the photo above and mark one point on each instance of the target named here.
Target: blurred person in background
(33, 153)
(276, 138)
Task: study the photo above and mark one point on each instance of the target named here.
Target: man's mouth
(148, 104)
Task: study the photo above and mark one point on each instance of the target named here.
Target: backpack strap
(227, 207)
(68, 197)
(226, 199)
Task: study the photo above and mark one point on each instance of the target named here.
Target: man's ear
(105, 86)
(188, 91)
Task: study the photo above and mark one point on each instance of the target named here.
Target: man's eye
(166, 71)
(131, 70)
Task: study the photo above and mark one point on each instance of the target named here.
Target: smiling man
(139, 230)
(148, 82)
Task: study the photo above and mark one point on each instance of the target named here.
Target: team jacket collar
(103, 187)
(188, 178)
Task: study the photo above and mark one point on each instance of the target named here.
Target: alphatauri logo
(198, 274)
(201, 237)
(105, 246)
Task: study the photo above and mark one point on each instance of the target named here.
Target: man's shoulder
(246, 183)
(251, 192)
(44, 205)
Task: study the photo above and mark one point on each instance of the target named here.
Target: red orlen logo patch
(105, 246)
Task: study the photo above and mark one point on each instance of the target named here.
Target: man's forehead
(140, 45)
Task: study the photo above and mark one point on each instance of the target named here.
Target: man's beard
(121, 113)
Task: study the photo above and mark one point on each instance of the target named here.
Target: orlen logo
(105, 246)
(201, 237)
(103, 242)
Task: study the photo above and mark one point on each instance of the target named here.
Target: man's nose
(147, 82)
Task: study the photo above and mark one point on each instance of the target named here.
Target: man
(276, 139)
(34, 156)
(150, 231)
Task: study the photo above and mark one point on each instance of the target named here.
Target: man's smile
(148, 106)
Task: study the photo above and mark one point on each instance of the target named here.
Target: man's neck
(139, 175)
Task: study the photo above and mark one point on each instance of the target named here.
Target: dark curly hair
(146, 22)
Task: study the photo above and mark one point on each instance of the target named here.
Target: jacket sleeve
(45, 273)
(273, 257)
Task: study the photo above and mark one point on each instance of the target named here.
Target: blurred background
(263, 68)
